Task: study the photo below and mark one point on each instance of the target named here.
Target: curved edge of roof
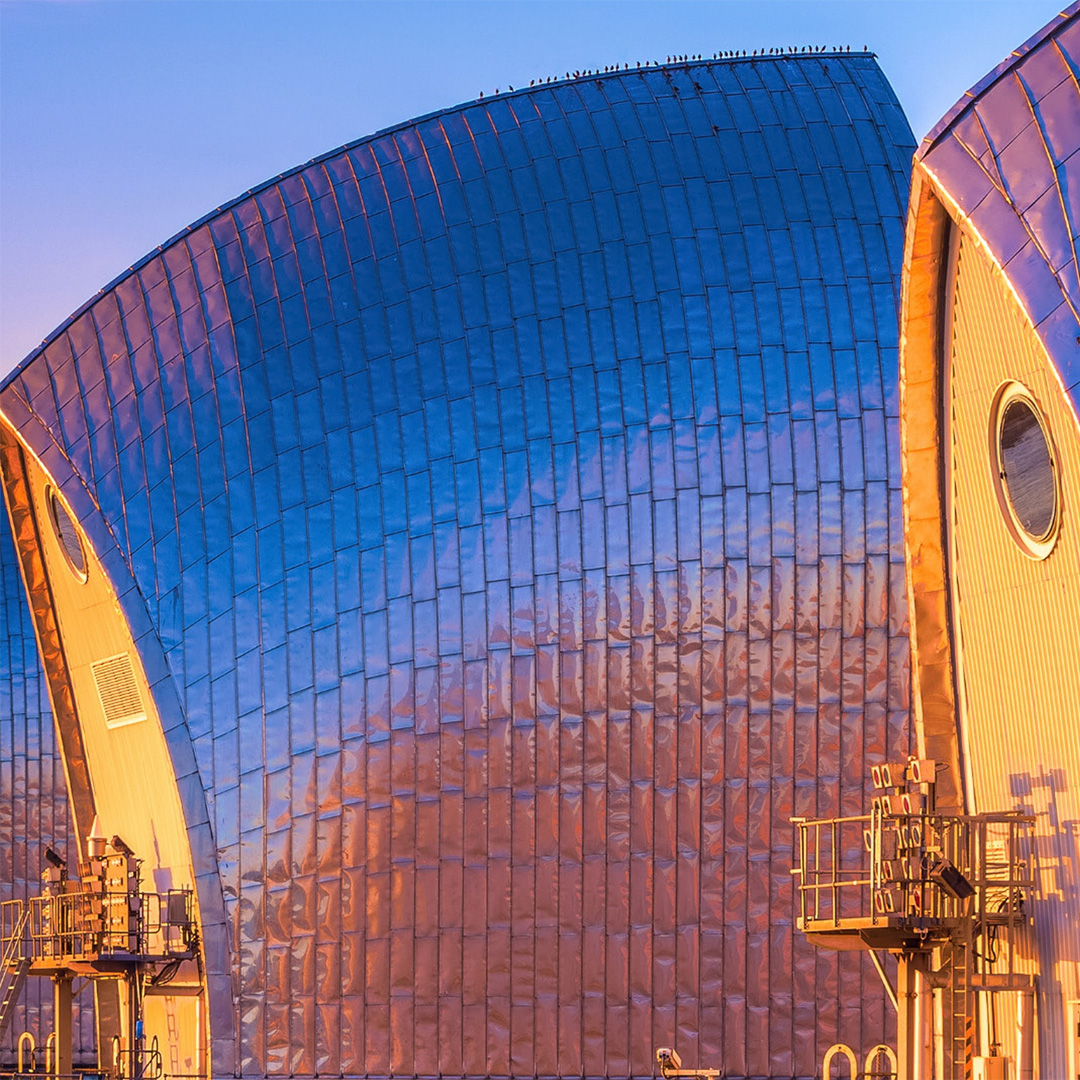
(834, 54)
(969, 97)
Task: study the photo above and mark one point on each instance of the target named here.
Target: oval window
(1026, 471)
(67, 535)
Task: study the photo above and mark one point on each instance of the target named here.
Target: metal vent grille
(118, 690)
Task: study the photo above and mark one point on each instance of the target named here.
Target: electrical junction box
(990, 1068)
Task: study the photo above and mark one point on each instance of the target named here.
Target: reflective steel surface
(512, 500)
(1006, 157)
(33, 793)
(991, 270)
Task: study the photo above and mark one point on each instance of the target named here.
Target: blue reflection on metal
(33, 799)
(1006, 157)
(515, 496)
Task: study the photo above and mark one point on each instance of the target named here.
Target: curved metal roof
(1006, 153)
(512, 499)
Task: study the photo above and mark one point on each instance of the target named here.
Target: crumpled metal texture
(515, 497)
(34, 809)
(1006, 155)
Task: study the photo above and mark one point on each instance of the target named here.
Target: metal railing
(926, 868)
(13, 921)
(83, 923)
(143, 1063)
(13, 965)
(834, 877)
(146, 1064)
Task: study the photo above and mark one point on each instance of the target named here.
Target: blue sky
(121, 121)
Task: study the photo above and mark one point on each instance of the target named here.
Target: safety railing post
(834, 840)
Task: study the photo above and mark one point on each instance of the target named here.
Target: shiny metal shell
(508, 505)
(991, 270)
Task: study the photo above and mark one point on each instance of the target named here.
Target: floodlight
(922, 770)
(950, 880)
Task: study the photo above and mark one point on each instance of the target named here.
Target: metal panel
(511, 610)
(1006, 156)
(1018, 658)
(34, 811)
(991, 624)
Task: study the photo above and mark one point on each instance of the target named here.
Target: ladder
(959, 1009)
(13, 966)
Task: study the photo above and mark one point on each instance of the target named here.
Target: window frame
(55, 504)
(1010, 393)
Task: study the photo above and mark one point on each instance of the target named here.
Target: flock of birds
(727, 54)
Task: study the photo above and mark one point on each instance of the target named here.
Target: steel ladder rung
(15, 965)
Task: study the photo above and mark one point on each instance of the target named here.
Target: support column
(908, 1035)
(62, 998)
(107, 1015)
(923, 1065)
(1025, 1035)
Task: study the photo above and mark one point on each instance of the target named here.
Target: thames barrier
(580, 584)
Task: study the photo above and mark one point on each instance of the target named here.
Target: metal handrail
(82, 922)
(13, 962)
(898, 861)
(89, 1073)
(27, 1038)
(147, 1064)
(13, 913)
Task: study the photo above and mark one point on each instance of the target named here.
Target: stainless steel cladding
(509, 504)
(991, 480)
(33, 797)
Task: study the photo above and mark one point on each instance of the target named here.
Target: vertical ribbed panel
(1017, 620)
(1006, 155)
(33, 799)
(515, 496)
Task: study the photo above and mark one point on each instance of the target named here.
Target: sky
(123, 121)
